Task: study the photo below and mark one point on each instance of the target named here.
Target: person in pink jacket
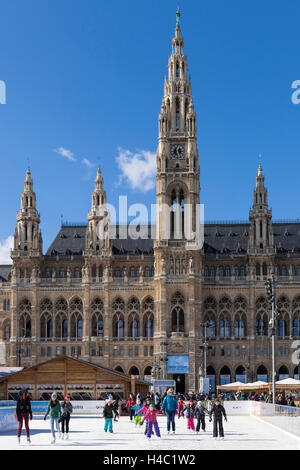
(144, 411)
(151, 416)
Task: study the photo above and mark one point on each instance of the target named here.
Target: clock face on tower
(177, 151)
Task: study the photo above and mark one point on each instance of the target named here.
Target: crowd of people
(194, 407)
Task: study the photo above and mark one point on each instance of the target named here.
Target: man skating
(218, 411)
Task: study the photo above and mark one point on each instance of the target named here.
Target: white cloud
(87, 163)
(5, 247)
(65, 153)
(138, 169)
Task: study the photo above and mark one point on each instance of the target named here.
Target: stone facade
(103, 296)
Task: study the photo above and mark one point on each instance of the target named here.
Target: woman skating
(218, 411)
(23, 412)
(169, 405)
(54, 411)
(67, 409)
(129, 405)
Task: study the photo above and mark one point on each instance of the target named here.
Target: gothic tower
(27, 238)
(178, 258)
(261, 233)
(178, 173)
(97, 234)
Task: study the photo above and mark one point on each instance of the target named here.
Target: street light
(270, 286)
(205, 347)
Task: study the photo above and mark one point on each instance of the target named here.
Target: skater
(130, 404)
(144, 410)
(180, 408)
(137, 407)
(169, 405)
(108, 414)
(116, 409)
(54, 412)
(200, 411)
(151, 416)
(190, 414)
(23, 411)
(157, 401)
(67, 409)
(218, 411)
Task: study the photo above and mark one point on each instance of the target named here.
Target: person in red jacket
(180, 408)
(130, 404)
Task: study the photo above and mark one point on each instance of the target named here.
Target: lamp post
(205, 347)
(270, 286)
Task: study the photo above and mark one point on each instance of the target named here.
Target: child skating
(108, 413)
(151, 416)
(137, 407)
(180, 408)
(144, 410)
(200, 411)
(190, 414)
(67, 409)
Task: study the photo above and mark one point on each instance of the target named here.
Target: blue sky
(88, 76)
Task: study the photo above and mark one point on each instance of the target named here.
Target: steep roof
(86, 363)
(218, 238)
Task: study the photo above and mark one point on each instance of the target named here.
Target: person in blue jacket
(169, 405)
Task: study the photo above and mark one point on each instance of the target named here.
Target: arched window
(133, 371)
(76, 322)
(6, 332)
(148, 319)
(133, 309)
(261, 325)
(25, 319)
(46, 309)
(61, 318)
(118, 308)
(177, 306)
(283, 319)
(97, 310)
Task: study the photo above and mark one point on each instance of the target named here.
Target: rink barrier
(286, 418)
(237, 408)
(7, 419)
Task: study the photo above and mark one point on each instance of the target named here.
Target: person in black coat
(23, 411)
(218, 411)
(108, 414)
(200, 411)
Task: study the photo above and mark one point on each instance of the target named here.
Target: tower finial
(177, 16)
(259, 165)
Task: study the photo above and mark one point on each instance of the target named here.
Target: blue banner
(178, 365)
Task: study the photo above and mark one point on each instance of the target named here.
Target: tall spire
(177, 117)
(97, 233)
(261, 235)
(177, 16)
(27, 235)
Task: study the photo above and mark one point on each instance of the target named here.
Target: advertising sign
(161, 386)
(178, 365)
(262, 377)
(241, 378)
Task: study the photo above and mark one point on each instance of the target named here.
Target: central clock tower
(178, 172)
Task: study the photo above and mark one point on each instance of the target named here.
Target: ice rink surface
(86, 432)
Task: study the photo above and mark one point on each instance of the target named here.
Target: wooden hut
(65, 374)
